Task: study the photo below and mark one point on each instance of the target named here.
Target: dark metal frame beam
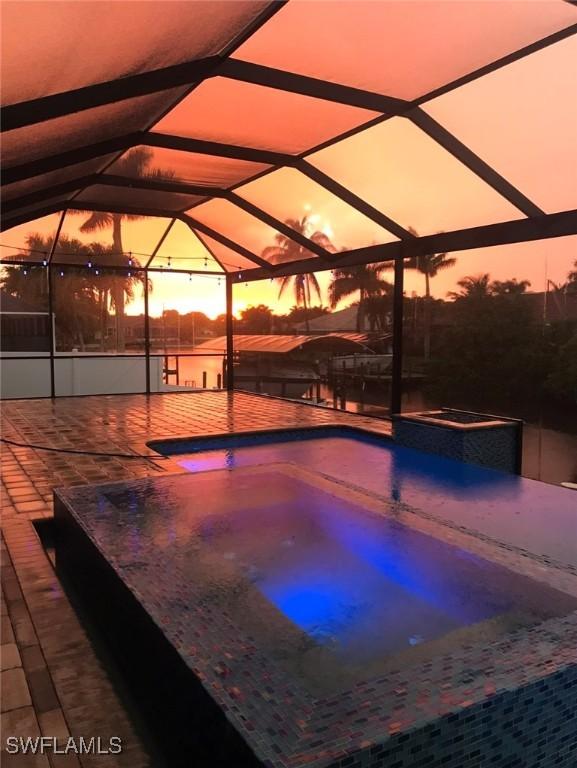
(7, 222)
(509, 58)
(142, 138)
(51, 304)
(110, 180)
(226, 241)
(71, 157)
(504, 233)
(397, 364)
(170, 186)
(195, 225)
(56, 238)
(81, 154)
(290, 81)
(283, 80)
(69, 102)
(157, 185)
(204, 245)
(354, 201)
(222, 150)
(146, 335)
(229, 336)
(127, 209)
(473, 162)
(158, 246)
(280, 226)
(519, 230)
(40, 195)
(186, 74)
(215, 148)
(51, 318)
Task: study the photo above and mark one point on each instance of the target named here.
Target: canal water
(549, 453)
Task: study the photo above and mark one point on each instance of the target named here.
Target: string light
(25, 271)
(61, 273)
(190, 277)
(89, 265)
(169, 263)
(130, 259)
(73, 254)
(96, 272)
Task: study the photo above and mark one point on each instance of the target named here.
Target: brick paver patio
(53, 683)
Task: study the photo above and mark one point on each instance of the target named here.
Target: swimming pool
(332, 587)
(532, 516)
(328, 615)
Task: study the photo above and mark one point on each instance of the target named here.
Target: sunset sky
(521, 119)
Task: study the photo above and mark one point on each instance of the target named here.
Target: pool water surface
(532, 516)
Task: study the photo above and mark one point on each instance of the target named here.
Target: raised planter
(476, 438)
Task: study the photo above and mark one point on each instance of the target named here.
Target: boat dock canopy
(281, 345)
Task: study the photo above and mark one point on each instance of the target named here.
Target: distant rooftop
(343, 320)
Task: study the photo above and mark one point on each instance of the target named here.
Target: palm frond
(312, 279)
(96, 221)
(300, 295)
(284, 283)
(134, 163)
(160, 174)
(340, 288)
(271, 252)
(447, 262)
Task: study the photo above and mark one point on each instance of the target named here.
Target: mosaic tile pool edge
(539, 660)
(534, 726)
(494, 447)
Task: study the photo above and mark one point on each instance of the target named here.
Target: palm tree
(473, 287)
(379, 308)
(105, 256)
(571, 284)
(74, 298)
(285, 249)
(365, 278)
(25, 282)
(135, 164)
(428, 264)
(512, 287)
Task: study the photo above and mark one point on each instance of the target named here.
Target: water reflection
(530, 515)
